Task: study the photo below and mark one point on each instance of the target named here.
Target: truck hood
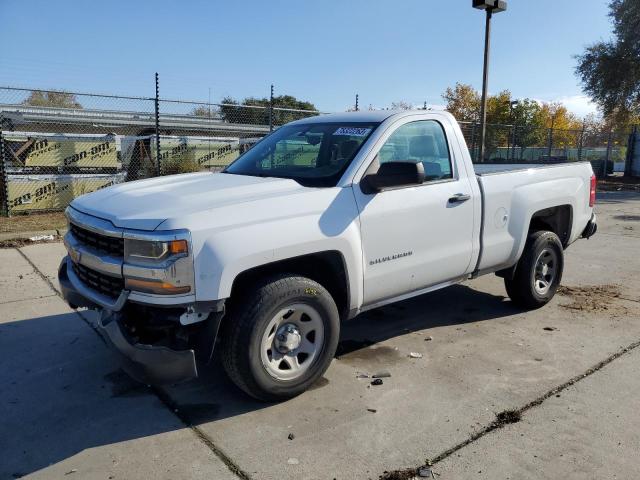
(145, 204)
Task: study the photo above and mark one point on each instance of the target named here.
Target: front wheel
(539, 271)
(281, 338)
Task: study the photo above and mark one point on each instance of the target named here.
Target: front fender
(224, 253)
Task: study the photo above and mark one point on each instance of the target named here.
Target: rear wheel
(539, 271)
(282, 338)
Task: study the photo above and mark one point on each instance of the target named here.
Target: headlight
(147, 250)
(160, 267)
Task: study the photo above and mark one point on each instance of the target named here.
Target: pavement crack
(175, 408)
(59, 294)
(502, 418)
(42, 275)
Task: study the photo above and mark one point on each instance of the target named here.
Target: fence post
(513, 144)
(4, 179)
(550, 142)
(271, 110)
(581, 142)
(157, 105)
(608, 155)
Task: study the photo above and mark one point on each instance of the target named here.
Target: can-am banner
(53, 192)
(61, 153)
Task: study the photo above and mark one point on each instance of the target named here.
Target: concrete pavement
(485, 357)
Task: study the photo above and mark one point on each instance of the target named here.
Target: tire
(283, 361)
(532, 285)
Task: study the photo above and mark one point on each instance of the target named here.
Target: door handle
(459, 198)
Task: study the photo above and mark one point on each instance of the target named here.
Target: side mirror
(395, 174)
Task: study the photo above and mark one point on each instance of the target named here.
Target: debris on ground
(425, 472)
(21, 242)
(362, 375)
(592, 298)
(415, 355)
(73, 470)
(508, 416)
(372, 410)
(549, 329)
(428, 339)
(42, 238)
(377, 381)
(291, 436)
(405, 474)
(383, 374)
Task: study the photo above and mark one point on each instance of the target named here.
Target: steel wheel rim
(545, 271)
(303, 328)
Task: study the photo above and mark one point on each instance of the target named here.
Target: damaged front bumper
(153, 365)
(150, 360)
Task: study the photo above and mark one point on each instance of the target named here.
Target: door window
(423, 141)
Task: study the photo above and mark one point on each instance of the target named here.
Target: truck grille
(112, 246)
(105, 284)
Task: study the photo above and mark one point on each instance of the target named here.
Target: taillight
(592, 191)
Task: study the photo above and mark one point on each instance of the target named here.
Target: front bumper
(153, 365)
(150, 364)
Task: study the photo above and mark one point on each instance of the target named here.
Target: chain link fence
(607, 151)
(55, 146)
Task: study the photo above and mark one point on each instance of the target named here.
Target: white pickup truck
(323, 219)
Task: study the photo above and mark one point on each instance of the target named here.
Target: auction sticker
(352, 131)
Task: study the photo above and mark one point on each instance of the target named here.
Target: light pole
(489, 6)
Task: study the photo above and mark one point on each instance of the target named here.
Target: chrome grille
(105, 284)
(112, 246)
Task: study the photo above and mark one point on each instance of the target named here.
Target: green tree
(529, 121)
(235, 112)
(463, 102)
(610, 70)
(38, 98)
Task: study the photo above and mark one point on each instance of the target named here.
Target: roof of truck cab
(373, 116)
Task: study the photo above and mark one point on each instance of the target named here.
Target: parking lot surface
(568, 369)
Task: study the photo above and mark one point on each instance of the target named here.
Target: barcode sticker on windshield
(352, 131)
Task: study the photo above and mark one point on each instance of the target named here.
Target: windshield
(313, 154)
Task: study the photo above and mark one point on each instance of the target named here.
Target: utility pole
(489, 6)
(356, 102)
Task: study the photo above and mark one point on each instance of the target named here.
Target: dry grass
(593, 298)
(33, 222)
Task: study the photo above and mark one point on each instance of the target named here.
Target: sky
(323, 51)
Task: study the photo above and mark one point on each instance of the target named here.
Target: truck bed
(512, 193)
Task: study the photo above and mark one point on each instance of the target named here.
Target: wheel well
(555, 219)
(326, 268)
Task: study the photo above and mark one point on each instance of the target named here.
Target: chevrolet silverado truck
(323, 219)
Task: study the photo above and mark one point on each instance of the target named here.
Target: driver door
(414, 236)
